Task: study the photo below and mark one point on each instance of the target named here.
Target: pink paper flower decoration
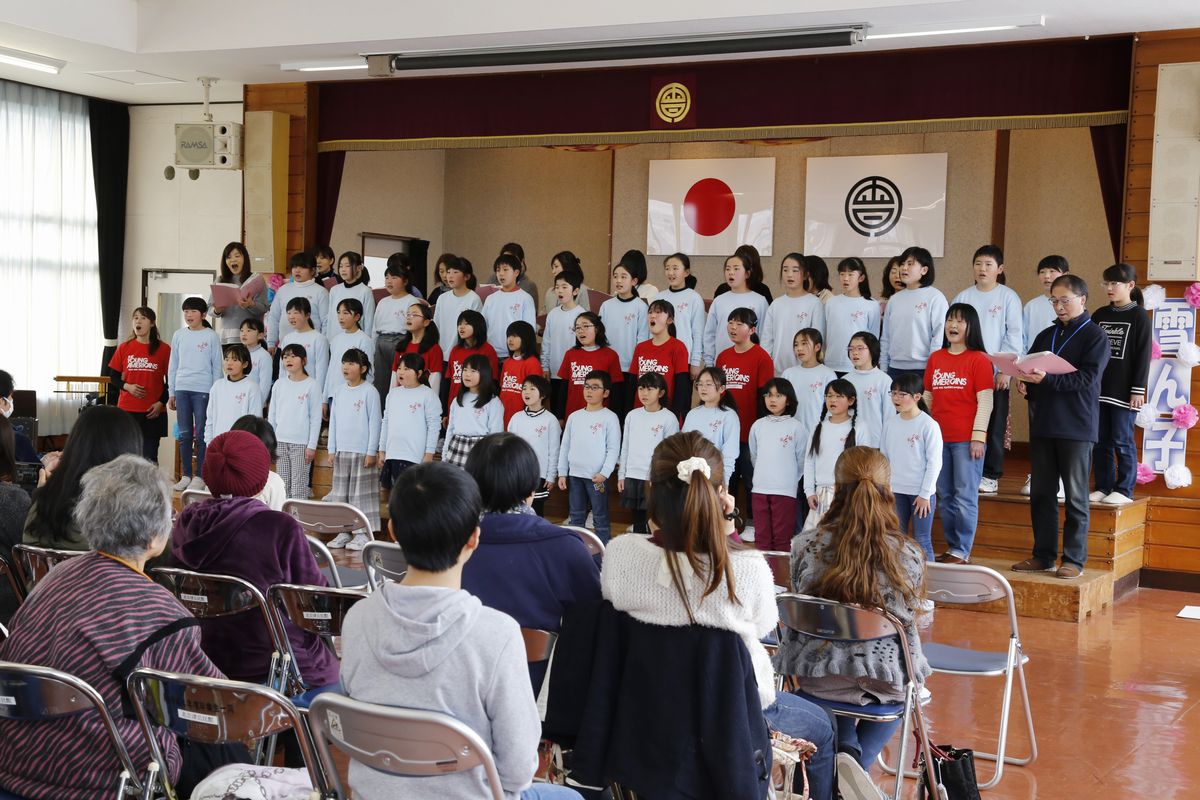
(1185, 416)
(276, 279)
(1144, 474)
(1155, 350)
(1192, 295)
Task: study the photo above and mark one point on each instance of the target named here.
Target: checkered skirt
(459, 448)
(357, 485)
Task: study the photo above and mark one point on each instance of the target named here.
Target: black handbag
(954, 769)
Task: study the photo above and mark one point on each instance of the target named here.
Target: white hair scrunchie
(685, 468)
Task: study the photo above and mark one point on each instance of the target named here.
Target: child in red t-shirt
(420, 336)
(591, 352)
(140, 362)
(523, 360)
(747, 367)
(472, 339)
(664, 354)
(959, 381)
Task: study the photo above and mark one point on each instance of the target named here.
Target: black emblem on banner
(873, 206)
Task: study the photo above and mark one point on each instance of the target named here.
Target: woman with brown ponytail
(689, 572)
(858, 555)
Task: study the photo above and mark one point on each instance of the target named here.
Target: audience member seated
(24, 448)
(235, 534)
(858, 555)
(689, 573)
(275, 492)
(426, 643)
(525, 566)
(14, 505)
(99, 435)
(87, 616)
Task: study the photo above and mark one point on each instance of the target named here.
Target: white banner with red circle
(875, 206)
(710, 206)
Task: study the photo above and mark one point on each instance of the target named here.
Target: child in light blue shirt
(591, 443)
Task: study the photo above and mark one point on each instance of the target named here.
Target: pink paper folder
(228, 294)
(1016, 366)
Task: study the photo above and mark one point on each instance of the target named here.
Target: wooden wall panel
(298, 101)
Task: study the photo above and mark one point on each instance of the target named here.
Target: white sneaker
(989, 485)
(339, 541)
(924, 696)
(1097, 496)
(358, 542)
(589, 523)
(854, 783)
(1062, 493)
(1116, 499)
(1025, 488)
(747, 535)
(182, 483)
(197, 484)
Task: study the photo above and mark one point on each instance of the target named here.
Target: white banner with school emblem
(710, 206)
(875, 206)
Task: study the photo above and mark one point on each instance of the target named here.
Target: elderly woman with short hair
(87, 616)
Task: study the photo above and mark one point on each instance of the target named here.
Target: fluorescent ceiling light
(329, 65)
(964, 26)
(19, 58)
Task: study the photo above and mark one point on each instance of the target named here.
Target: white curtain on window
(49, 263)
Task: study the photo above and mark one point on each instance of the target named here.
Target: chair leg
(999, 757)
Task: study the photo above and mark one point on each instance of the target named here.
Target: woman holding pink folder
(235, 269)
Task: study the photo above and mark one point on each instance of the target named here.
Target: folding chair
(397, 741)
(539, 644)
(190, 496)
(593, 543)
(383, 561)
(324, 560)
(215, 711)
(780, 563)
(13, 580)
(964, 584)
(847, 623)
(318, 610)
(32, 562)
(41, 694)
(212, 596)
(321, 518)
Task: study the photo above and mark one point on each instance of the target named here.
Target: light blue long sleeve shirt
(355, 419)
(643, 432)
(809, 384)
(544, 434)
(502, 309)
(338, 346)
(999, 317)
(559, 337)
(317, 347)
(229, 401)
(819, 468)
(412, 420)
(625, 325)
(874, 403)
(195, 363)
(721, 427)
(1037, 315)
(777, 452)
(360, 292)
(690, 318)
(445, 316)
(318, 298)
(785, 316)
(716, 331)
(467, 420)
(914, 448)
(591, 443)
(844, 317)
(295, 411)
(914, 323)
(261, 368)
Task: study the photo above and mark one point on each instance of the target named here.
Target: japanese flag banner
(875, 206)
(710, 206)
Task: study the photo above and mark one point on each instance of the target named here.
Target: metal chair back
(968, 584)
(13, 579)
(539, 644)
(33, 563)
(215, 711)
(210, 596)
(383, 561)
(780, 563)
(41, 694)
(397, 741)
(324, 559)
(323, 519)
(593, 543)
(317, 610)
(191, 496)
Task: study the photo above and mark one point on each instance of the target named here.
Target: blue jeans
(1116, 438)
(864, 740)
(922, 528)
(958, 496)
(582, 494)
(802, 719)
(192, 410)
(550, 791)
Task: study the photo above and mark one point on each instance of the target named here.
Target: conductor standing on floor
(1063, 427)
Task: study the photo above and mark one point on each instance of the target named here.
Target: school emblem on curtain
(873, 206)
(710, 206)
(671, 102)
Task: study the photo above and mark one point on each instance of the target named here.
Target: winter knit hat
(236, 463)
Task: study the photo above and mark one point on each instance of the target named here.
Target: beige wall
(398, 193)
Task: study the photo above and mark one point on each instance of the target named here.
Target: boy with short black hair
(506, 306)
(559, 334)
(591, 443)
(425, 637)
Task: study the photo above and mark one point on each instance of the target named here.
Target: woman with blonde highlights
(858, 555)
(689, 572)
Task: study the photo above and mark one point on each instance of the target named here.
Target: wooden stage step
(1041, 595)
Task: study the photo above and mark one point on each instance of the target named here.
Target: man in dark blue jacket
(1063, 427)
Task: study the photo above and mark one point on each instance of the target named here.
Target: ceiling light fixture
(964, 26)
(19, 58)
(621, 50)
(330, 65)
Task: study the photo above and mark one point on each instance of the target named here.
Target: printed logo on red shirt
(140, 363)
(579, 372)
(510, 383)
(947, 380)
(735, 379)
(646, 365)
(457, 376)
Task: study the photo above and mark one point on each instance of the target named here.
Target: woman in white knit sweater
(687, 572)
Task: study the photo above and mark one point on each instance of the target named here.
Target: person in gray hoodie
(428, 641)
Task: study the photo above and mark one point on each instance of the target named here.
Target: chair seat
(944, 658)
(771, 639)
(874, 709)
